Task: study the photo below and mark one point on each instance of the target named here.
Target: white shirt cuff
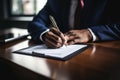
(93, 35)
(43, 33)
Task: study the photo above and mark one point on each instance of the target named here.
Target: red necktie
(82, 3)
(78, 14)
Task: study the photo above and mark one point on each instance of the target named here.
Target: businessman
(97, 20)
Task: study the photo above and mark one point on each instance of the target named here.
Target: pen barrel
(54, 24)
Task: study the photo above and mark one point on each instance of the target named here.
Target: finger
(70, 33)
(77, 40)
(55, 31)
(66, 39)
(53, 37)
(70, 43)
(51, 44)
(81, 39)
(74, 41)
(63, 37)
(70, 38)
(52, 40)
(60, 34)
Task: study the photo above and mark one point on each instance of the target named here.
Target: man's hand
(54, 38)
(78, 36)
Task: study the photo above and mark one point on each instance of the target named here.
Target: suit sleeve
(107, 32)
(39, 24)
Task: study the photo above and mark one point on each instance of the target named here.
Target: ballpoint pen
(54, 24)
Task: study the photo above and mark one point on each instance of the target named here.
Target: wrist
(42, 35)
(93, 36)
(90, 36)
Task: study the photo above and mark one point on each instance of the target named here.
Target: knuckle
(58, 45)
(58, 39)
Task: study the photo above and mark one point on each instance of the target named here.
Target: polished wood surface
(99, 62)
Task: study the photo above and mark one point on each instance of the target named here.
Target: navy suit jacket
(101, 16)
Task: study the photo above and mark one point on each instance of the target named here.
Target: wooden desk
(99, 62)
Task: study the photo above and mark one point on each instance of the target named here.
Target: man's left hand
(78, 36)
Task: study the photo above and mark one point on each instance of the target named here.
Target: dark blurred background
(18, 13)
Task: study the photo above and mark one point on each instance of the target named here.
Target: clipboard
(64, 53)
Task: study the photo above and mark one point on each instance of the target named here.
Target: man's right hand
(54, 38)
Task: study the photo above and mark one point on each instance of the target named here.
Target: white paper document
(59, 52)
